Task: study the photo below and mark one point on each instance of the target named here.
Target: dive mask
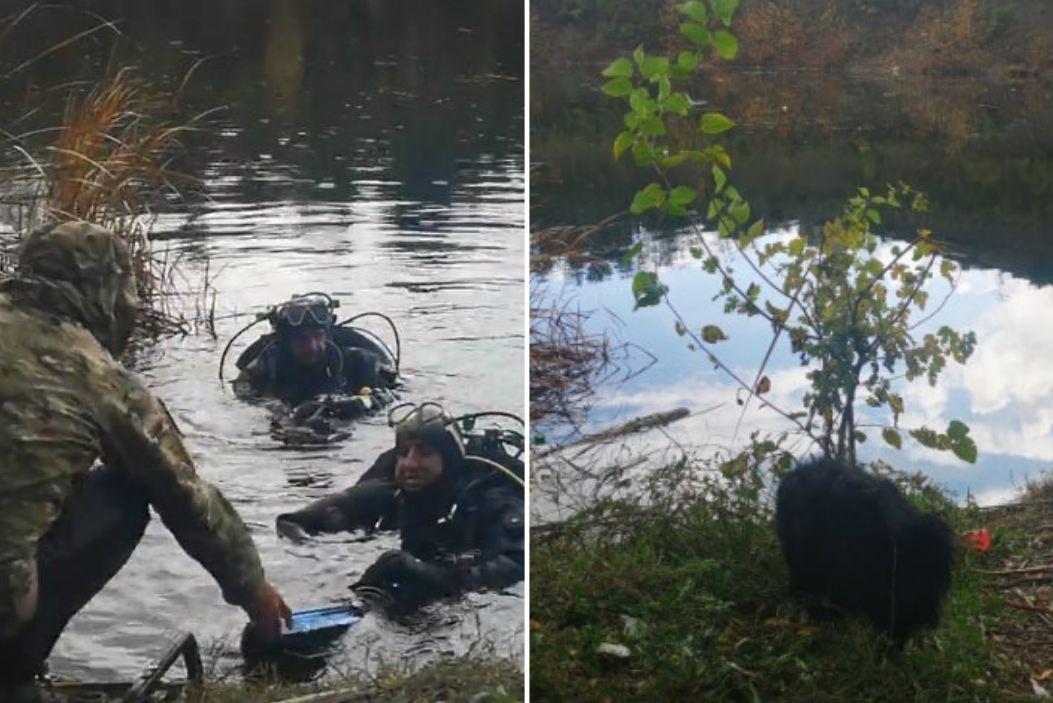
(308, 311)
(428, 422)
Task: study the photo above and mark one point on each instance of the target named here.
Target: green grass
(707, 588)
(468, 679)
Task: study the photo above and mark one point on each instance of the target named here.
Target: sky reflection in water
(1002, 393)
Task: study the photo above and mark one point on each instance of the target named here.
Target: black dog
(853, 542)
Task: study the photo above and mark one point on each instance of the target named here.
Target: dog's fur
(853, 544)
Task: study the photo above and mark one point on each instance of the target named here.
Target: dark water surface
(372, 150)
(984, 152)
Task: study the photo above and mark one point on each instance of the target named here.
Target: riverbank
(689, 602)
(474, 679)
(1002, 38)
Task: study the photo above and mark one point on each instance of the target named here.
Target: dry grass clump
(109, 164)
(565, 358)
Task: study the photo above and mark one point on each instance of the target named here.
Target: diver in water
(456, 501)
(307, 355)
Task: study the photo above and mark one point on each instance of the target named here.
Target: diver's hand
(267, 611)
(399, 572)
(290, 530)
(307, 410)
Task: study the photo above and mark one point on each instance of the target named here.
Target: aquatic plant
(848, 306)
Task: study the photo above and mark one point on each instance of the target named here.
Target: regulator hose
(226, 349)
(397, 356)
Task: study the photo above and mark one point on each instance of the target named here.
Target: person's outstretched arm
(141, 438)
(363, 506)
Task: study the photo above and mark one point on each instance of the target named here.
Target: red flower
(980, 540)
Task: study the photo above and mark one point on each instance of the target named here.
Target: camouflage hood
(83, 273)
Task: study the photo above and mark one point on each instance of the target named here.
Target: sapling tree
(848, 304)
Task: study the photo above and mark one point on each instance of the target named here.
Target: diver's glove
(408, 579)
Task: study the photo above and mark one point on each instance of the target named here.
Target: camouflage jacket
(66, 402)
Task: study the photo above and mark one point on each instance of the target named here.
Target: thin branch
(726, 369)
(764, 362)
(705, 245)
(936, 311)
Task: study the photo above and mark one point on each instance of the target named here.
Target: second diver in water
(322, 369)
(456, 501)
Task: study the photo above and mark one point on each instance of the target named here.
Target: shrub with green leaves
(849, 307)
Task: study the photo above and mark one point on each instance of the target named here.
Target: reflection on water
(369, 151)
(983, 152)
(1001, 393)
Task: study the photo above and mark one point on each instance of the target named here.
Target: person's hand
(267, 611)
(307, 410)
(387, 569)
(409, 579)
(290, 530)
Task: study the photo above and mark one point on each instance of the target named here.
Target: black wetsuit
(467, 527)
(273, 372)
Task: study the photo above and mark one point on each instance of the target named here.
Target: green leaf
(724, 9)
(643, 153)
(682, 195)
(664, 88)
(687, 60)
(640, 101)
(715, 123)
(965, 449)
(618, 87)
(678, 104)
(957, 430)
(711, 334)
(755, 230)
(653, 126)
(925, 437)
(725, 44)
(622, 142)
(673, 160)
(633, 252)
(697, 33)
(642, 281)
(650, 197)
(654, 66)
(740, 210)
(647, 290)
(719, 178)
(622, 68)
(892, 437)
(695, 10)
(718, 155)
